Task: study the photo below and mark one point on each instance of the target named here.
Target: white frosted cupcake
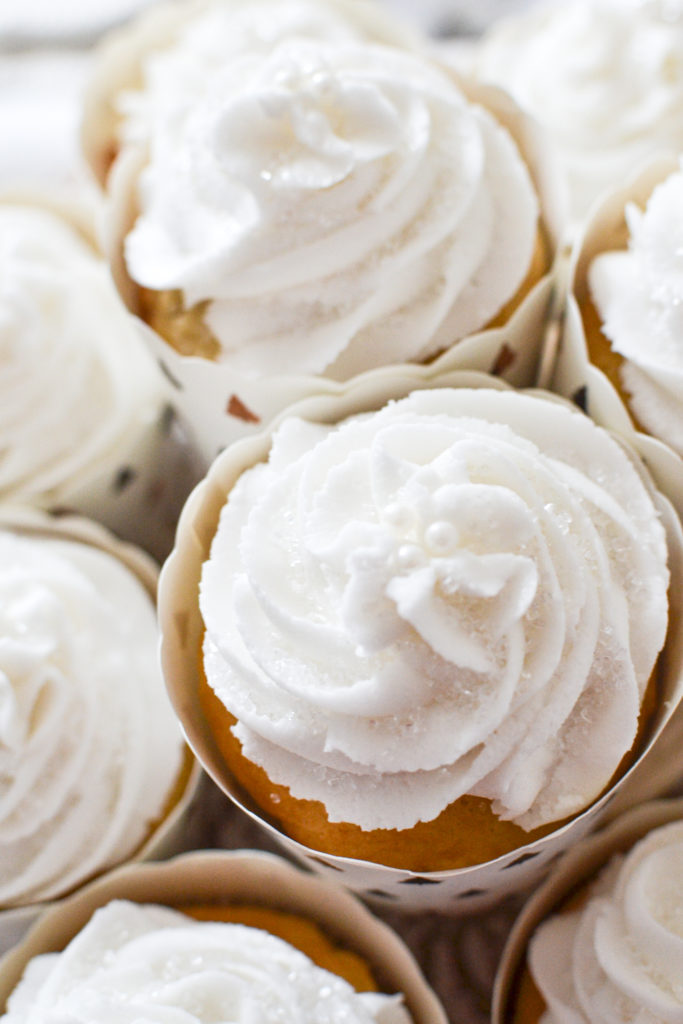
(296, 215)
(426, 638)
(85, 417)
(214, 936)
(93, 765)
(633, 312)
(604, 77)
(611, 916)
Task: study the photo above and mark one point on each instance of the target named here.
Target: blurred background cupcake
(93, 765)
(601, 940)
(604, 77)
(425, 638)
(209, 936)
(86, 421)
(296, 213)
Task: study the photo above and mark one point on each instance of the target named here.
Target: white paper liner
(461, 891)
(138, 487)
(244, 877)
(577, 379)
(171, 836)
(576, 868)
(223, 406)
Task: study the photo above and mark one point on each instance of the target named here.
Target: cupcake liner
(171, 835)
(576, 868)
(137, 483)
(222, 405)
(215, 877)
(454, 892)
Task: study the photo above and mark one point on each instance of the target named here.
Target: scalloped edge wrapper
(171, 835)
(576, 378)
(211, 876)
(576, 868)
(221, 405)
(454, 892)
(137, 488)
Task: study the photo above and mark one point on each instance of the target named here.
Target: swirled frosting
(139, 962)
(337, 207)
(464, 592)
(76, 385)
(604, 77)
(621, 954)
(89, 748)
(638, 293)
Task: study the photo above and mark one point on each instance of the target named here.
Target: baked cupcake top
(76, 384)
(327, 207)
(464, 592)
(139, 961)
(604, 77)
(89, 748)
(621, 951)
(638, 293)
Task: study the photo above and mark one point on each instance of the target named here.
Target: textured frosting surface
(462, 593)
(605, 77)
(134, 963)
(337, 205)
(621, 955)
(76, 385)
(89, 747)
(639, 296)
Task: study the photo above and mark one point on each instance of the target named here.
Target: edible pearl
(441, 536)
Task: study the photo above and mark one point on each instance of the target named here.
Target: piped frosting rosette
(604, 77)
(338, 206)
(93, 765)
(130, 940)
(412, 627)
(86, 421)
(619, 939)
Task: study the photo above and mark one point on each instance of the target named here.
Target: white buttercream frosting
(77, 386)
(621, 955)
(338, 206)
(604, 77)
(464, 592)
(638, 293)
(135, 962)
(89, 747)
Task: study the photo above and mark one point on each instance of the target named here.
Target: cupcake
(93, 765)
(630, 292)
(86, 421)
(612, 917)
(603, 77)
(426, 636)
(215, 936)
(307, 212)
